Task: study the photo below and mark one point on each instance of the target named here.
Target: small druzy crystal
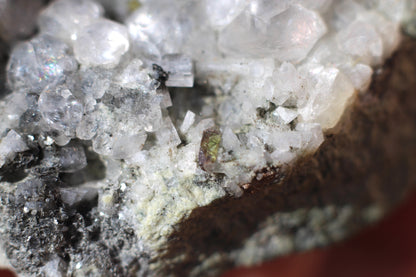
(113, 133)
(60, 109)
(287, 36)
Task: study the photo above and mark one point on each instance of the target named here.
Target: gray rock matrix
(190, 139)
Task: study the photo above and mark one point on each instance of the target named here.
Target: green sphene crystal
(210, 143)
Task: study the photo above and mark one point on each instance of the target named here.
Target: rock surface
(365, 166)
(174, 145)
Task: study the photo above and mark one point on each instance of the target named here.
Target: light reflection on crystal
(38, 63)
(50, 69)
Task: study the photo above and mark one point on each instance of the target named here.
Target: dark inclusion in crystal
(160, 74)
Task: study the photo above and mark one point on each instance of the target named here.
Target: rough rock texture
(66, 210)
(365, 166)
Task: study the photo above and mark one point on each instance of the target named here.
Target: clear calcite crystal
(180, 70)
(177, 104)
(41, 62)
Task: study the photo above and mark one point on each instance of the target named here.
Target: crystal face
(65, 19)
(11, 144)
(178, 103)
(287, 36)
(41, 62)
(60, 109)
(103, 42)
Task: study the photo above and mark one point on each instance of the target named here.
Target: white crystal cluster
(278, 74)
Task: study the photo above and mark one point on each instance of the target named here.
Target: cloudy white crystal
(149, 39)
(288, 36)
(102, 43)
(126, 145)
(10, 145)
(221, 13)
(362, 41)
(64, 19)
(328, 96)
(187, 121)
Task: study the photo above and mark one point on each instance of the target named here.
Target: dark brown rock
(368, 160)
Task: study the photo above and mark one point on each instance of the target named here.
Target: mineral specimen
(208, 151)
(119, 130)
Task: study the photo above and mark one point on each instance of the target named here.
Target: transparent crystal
(72, 157)
(180, 70)
(279, 157)
(230, 141)
(87, 128)
(346, 11)
(40, 62)
(60, 109)
(15, 106)
(53, 267)
(312, 135)
(167, 134)
(359, 74)
(75, 195)
(166, 100)
(287, 83)
(265, 9)
(187, 121)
